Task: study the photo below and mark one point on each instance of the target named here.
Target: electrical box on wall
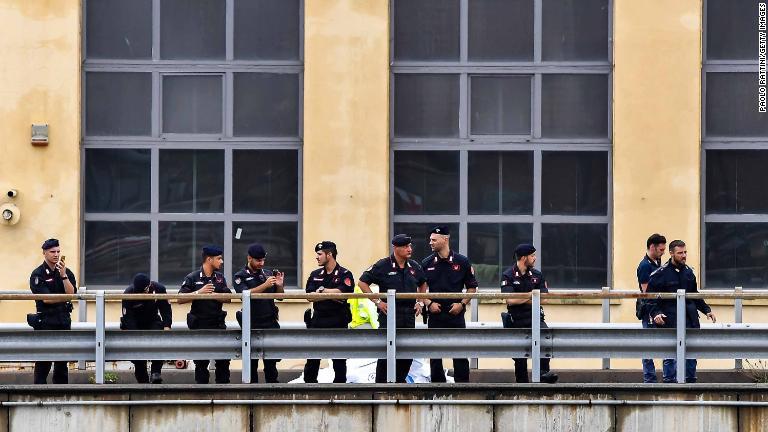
(39, 134)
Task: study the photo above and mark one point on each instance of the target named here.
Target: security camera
(13, 193)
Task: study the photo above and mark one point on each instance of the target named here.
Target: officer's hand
(417, 309)
(206, 289)
(270, 281)
(62, 268)
(712, 317)
(659, 319)
(456, 309)
(434, 307)
(382, 306)
(166, 328)
(280, 278)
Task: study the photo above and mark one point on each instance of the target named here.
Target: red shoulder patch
(348, 282)
(456, 267)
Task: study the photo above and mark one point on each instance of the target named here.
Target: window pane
(191, 181)
(575, 30)
(266, 104)
(501, 30)
(574, 106)
(574, 183)
(737, 255)
(736, 181)
(265, 181)
(192, 29)
(491, 248)
(419, 233)
(574, 255)
(180, 247)
(280, 240)
(192, 104)
(118, 103)
(119, 29)
(426, 29)
(500, 180)
(426, 182)
(117, 180)
(501, 105)
(267, 29)
(115, 251)
(426, 105)
(732, 106)
(732, 29)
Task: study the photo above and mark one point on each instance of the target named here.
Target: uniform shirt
(449, 275)
(339, 278)
(246, 279)
(389, 276)
(644, 270)
(205, 309)
(147, 311)
(668, 279)
(45, 280)
(515, 281)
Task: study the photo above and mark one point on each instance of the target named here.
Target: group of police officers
(443, 271)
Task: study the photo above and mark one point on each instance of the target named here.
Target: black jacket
(668, 279)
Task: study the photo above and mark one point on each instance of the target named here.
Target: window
(192, 135)
(735, 150)
(501, 130)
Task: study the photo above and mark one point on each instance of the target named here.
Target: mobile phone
(275, 272)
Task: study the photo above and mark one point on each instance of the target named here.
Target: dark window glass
(732, 27)
(426, 29)
(265, 181)
(180, 248)
(191, 181)
(192, 29)
(732, 106)
(501, 30)
(426, 105)
(280, 240)
(115, 251)
(501, 105)
(118, 103)
(266, 104)
(574, 183)
(192, 104)
(117, 180)
(426, 182)
(419, 233)
(737, 255)
(574, 30)
(267, 29)
(736, 181)
(574, 106)
(574, 255)
(491, 247)
(500, 182)
(119, 29)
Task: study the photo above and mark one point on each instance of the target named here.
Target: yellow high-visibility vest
(364, 311)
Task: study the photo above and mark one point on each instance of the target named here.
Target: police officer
(51, 277)
(264, 313)
(400, 273)
(655, 248)
(523, 278)
(450, 272)
(207, 314)
(669, 278)
(146, 315)
(329, 278)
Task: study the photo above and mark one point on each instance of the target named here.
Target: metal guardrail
(104, 343)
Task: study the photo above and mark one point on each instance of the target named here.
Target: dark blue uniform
(449, 275)
(146, 315)
(207, 314)
(388, 275)
(329, 314)
(644, 270)
(264, 315)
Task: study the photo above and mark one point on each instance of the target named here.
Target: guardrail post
(245, 335)
(82, 316)
(536, 336)
(606, 320)
(474, 305)
(738, 307)
(680, 336)
(391, 334)
(100, 325)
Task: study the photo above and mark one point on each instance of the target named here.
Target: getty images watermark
(762, 76)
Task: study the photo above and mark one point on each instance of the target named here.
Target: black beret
(441, 229)
(256, 251)
(401, 240)
(524, 249)
(140, 281)
(325, 244)
(212, 251)
(50, 243)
